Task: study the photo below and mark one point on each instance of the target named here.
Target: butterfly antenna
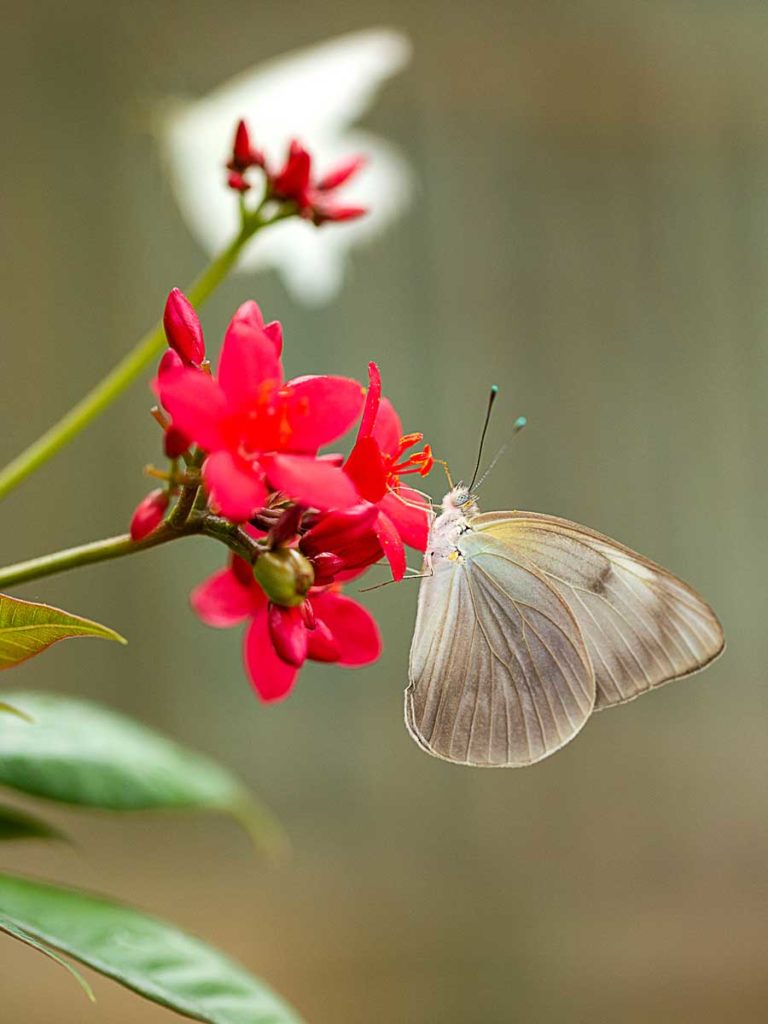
(491, 400)
(518, 425)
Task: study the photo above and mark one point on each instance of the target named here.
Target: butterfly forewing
(642, 626)
(499, 673)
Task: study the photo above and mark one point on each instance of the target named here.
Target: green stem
(85, 554)
(235, 538)
(130, 367)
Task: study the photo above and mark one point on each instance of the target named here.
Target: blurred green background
(591, 233)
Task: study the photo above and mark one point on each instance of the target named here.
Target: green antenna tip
(520, 422)
(494, 388)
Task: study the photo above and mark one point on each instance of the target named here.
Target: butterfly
(314, 94)
(528, 623)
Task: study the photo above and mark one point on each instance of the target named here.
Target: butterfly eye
(462, 498)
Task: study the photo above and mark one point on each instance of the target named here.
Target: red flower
(343, 541)
(376, 464)
(326, 627)
(254, 426)
(314, 199)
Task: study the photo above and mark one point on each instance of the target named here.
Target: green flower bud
(284, 575)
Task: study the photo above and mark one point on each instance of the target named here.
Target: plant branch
(235, 538)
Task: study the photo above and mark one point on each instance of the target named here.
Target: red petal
(321, 409)
(197, 405)
(293, 179)
(352, 626)
(366, 467)
(248, 358)
(236, 487)
(391, 545)
(269, 675)
(411, 523)
(372, 401)
(341, 173)
(322, 645)
(310, 482)
(288, 634)
(274, 331)
(223, 600)
(388, 429)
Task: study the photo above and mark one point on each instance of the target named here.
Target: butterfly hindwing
(642, 626)
(499, 673)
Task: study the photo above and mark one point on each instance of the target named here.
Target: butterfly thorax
(457, 508)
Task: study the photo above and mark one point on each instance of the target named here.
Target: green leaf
(16, 824)
(27, 629)
(80, 753)
(21, 935)
(152, 958)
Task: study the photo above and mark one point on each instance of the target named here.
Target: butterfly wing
(499, 674)
(642, 626)
(313, 94)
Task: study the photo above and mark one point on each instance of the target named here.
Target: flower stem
(130, 367)
(85, 554)
(234, 537)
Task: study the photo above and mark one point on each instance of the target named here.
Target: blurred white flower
(314, 95)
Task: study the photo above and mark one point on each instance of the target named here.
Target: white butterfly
(314, 95)
(527, 623)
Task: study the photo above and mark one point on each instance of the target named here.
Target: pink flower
(260, 432)
(326, 627)
(376, 464)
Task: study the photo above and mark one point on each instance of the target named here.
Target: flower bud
(237, 182)
(175, 443)
(149, 514)
(284, 575)
(241, 150)
(182, 328)
(326, 566)
(288, 634)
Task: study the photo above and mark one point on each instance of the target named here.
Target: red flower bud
(326, 566)
(288, 634)
(182, 328)
(340, 174)
(237, 182)
(149, 514)
(175, 443)
(241, 150)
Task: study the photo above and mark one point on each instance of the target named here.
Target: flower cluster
(300, 523)
(294, 182)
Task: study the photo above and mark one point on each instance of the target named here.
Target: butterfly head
(460, 499)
